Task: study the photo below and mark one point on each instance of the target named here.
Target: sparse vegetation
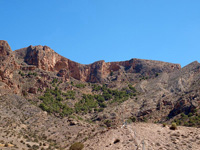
(80, 85)
(69, 95)
(111, 73)
(35, 147)
(76, 146)
(52, 99)
(144, 78)
(173, 126)
(21, 73)
(108, 123)
(32, 73)
(190, 120)
(133, 118)
(51, 102)
(86, 103)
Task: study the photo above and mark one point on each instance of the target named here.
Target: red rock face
(45, 58)
(7, 65)
(7, 61)
(4, 48)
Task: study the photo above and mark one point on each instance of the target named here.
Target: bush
(80, 85)
(96, 87)
(173, 126)
(69, 95)
(34, 73)
(35, 147)
(21, 73)
(164, 124)
(76, 146)
(86, 104)
(132, 88)
(133, 119)
(111, 73)
(51, 102)
(54, 80)
(107, 123)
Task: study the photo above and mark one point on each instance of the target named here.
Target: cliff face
(45, 58)
(8, 65)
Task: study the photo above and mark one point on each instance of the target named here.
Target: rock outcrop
(8, 65)
(45, 58)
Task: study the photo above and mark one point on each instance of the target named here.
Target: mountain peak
(4, 43)
(4, 48)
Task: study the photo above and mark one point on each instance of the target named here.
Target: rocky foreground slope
(146, 136)
(50, 102)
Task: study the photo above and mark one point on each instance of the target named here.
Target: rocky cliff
(46, 59)
(8, 65)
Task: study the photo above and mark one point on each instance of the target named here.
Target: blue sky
(112, 30)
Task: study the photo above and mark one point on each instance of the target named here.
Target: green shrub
(111, 73)
(164, 124)
(129, 121)
(86, 103)
(69, 95)
(80, 85)
(190, 114)
(107, 123)
(107, 96)
(132, 88)
(133, 119)
(96, 87)
(100, 110)
(44, 107)
(157, 74)
(55, 80)
(34, 73)
(173, 126)
(76, 146)
(51, 103)
(102, 105)
(21, 73)
(39, 90)
(35, 147)
(59, 98)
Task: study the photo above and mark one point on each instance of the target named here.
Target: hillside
(50, 102)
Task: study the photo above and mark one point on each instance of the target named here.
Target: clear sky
(86, 31)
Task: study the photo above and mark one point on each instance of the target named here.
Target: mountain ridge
(45, 58)
(50, 99)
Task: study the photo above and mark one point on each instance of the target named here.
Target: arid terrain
(50, 102)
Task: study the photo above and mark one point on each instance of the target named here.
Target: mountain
(50, 102)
